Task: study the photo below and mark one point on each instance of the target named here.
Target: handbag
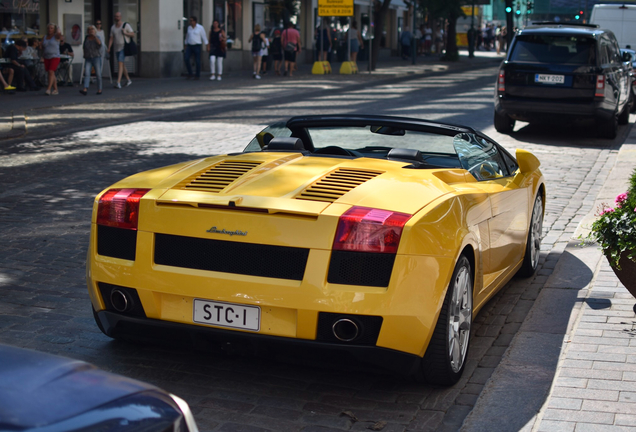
(130, 47)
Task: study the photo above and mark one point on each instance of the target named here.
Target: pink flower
(621, 198)
(608, 210)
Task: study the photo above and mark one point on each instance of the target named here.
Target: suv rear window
(579, 50)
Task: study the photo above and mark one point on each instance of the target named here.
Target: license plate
(227, 315)
(549, 79)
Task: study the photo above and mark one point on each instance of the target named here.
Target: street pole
(414, 42)
(349, 41)
(370, 34)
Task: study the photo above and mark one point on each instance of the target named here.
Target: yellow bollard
(348, 68)
(321, 68)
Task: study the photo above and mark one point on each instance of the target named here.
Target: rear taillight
(120, 208)
(501, 81)
(600, 86)
(363, 229)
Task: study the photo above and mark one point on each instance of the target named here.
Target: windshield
(542, 48)
(421, 149)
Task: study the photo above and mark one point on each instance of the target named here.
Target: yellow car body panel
(452, 214)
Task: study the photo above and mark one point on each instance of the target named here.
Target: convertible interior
(421, 145)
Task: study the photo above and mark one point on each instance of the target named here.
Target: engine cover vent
(220, 176)
(336, 184)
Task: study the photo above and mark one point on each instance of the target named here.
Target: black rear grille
(360, 268)
(369, 327)
(231, 257)
(116, 242)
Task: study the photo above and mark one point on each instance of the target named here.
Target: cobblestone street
(48, 186)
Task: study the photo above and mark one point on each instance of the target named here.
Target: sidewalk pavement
(32, 115)
(572, 365)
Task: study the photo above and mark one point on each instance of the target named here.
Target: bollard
(348, 68)
(321, 68)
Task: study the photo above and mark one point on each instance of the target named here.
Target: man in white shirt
(195, 38)
(118, 33)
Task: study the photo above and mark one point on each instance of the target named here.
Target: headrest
(284, 144)
(405, 154)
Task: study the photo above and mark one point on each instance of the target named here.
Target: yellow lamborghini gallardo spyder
(375, 236)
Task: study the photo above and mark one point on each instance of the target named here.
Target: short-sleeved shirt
(12, 53)
(66, 48)
(290, 35)
(118, 36)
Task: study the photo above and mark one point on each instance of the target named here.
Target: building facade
(161, 25)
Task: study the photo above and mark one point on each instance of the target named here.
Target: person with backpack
(257, 39)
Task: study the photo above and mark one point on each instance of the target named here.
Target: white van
(620, 19)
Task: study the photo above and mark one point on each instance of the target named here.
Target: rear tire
(533, 244)
(608, 128)
(503, 123)
(445, 357)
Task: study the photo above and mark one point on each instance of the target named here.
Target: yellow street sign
(335, 8)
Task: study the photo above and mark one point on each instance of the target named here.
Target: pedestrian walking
(276, 50)
(102, 37)
(195, 39)
(264, 54)
(257, 39)
(118, 34)
(405, 41)
(92, 59)
(355, 41)
(217, 46)
(51, 55)
(290, 39)
(323, 40)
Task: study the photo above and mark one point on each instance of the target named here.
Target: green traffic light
(508, 9)
(576, 17)
(518, 12)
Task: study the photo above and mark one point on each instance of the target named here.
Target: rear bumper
(524, 109)
(152, 330)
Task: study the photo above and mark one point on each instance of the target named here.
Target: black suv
(564, 71)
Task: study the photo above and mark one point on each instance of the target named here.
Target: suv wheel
(503, 123)
(608, 128)
(623, 118)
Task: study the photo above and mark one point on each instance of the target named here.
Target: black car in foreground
(563, 71)
(46, 393)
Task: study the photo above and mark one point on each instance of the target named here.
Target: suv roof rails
(565, 24)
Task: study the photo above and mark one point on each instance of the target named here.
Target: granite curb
(522, 387)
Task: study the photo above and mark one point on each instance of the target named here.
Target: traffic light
(518, 12)
(529, 7)
(508, 9)
(577, 16)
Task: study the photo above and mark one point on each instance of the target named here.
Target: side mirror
(627, 57)
(527, 161)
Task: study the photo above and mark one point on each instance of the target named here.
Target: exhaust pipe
(119, 300)
(345, 330)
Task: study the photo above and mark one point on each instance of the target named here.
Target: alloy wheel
(460, 319)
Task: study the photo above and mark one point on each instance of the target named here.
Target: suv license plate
(549, 79)
(227, 315)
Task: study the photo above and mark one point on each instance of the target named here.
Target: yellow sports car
(376, 236)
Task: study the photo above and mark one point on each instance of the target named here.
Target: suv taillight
(600, 86)
(501, 81)
(362, 229)
(119, 208)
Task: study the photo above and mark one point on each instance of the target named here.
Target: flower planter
(627, 273)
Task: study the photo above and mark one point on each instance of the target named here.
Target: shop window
(22, 18)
